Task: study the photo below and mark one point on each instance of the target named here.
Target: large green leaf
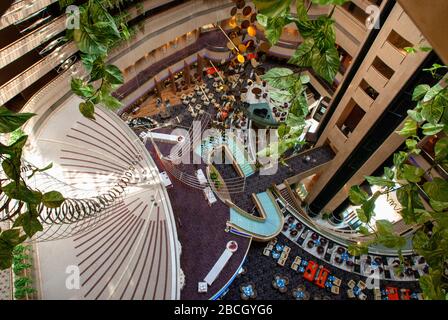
(98, 69)
(386, 235)
(430, 129)
(111, 102)
(10, 121)
(411, 203)
(87, 42)
(327, 64)
(441, 149)
(279, 78)
(409, 129)
(303, 56)
(280, 95)
(379, 181)
(53, 199)
(14, 149)
(437, 189)
(420, 92)
(113, 74)
(415, 115)
(8, 240)
(87, 109)
(272, 8)
(357, 195)
(299, 105)
(434, 104)
(82, 89)
(273, 26)
(29, 222)
(411, 173)
(431, 286)
(88, 60)
(11, 167)
(368, 208)
(21, 192)
(438, 206)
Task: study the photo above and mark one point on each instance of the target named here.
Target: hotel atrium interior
(229, 150)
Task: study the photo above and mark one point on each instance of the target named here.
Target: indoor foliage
(98, 33)
(428, 118)
(287, 86)
(13, 185)
(318, 49)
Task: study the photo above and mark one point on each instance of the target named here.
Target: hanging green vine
(97, 34)
(318, 49)
(428, 119)
(13, 184)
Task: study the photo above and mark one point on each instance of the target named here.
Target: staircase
(212, 143)
(286, 195)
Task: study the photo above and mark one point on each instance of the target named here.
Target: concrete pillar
(187, 75)
(159, 88)
(173, 81)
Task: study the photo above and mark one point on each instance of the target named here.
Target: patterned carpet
(261, 271)
(5, 284)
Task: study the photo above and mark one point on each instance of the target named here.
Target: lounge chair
(337, 282)
(351, 284)
(335, 289)
(350, 293)
(377, 294)
(281, 261)
(361, 285)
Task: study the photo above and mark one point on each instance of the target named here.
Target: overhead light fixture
(28, 17)
(52, 45)
(36, 24)
(66, 64)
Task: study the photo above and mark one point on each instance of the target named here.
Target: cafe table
(310, 271)
(392, 293)
(322, 277)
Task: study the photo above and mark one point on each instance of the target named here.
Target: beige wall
(381, 154)
(404, 65)
(21, 10)
(431, 18)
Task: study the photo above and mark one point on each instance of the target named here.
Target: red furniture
(406, 294)
(392, 293)
(310, 271)
(212, 70)
(322, 277)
